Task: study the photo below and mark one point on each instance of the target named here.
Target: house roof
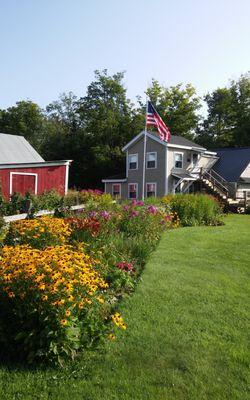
(181, 141)
(118, 177)
(174, 141)
(15, 149)
(232, 162)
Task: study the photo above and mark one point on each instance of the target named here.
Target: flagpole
(144, 152)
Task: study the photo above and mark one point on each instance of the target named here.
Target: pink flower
(152, 209)
(134, 214)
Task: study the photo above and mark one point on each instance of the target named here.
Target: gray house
(179, 166)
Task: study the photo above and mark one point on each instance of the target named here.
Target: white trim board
(153, 137)
(36, 165)
(23, 173)
(113, 180)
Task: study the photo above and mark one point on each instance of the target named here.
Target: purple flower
(168, 218)
(93, 214)
(140, 203)
(126, 208)
(105, 214)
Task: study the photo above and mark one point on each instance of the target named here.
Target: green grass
(187, 335)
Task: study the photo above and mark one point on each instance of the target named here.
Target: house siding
(157, 175)
(124, 188)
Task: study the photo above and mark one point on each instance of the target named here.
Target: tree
(109, 122)
(241, 99)
(178, 107)
(25, 118)
(228, 120)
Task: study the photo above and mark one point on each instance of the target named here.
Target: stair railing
(215, 179)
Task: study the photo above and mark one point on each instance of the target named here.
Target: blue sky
(53, 46)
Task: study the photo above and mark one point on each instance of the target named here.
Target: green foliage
(195, 209)
(25, 118)
(228, 121)
(178, 107)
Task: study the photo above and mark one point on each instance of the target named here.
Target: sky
(53, 46)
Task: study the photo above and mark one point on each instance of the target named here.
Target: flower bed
(61, 278)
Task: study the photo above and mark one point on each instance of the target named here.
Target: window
(195, 159)
(116, 190)
(132, 190)
(133, 161)
(178, 160)
(151, 160)
(151, 189)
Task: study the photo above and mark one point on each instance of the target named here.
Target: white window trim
(133, 169)
(182, 154)
(136, 185)
(120, 188)
(23, 173)
(151, 183)
(151, 152)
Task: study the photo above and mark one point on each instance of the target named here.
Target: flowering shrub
(39, 233)
(51, 301)
(125, 266)
(89, 224)
(148, 221)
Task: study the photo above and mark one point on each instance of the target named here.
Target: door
(23, 183)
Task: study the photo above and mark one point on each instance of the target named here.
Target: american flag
(154, 119)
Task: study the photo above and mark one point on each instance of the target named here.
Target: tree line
(91, 130)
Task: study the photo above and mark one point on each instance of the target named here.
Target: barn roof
(15, 149)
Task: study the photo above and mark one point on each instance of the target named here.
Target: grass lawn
(187, 335)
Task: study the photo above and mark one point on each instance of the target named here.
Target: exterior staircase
(218, 186)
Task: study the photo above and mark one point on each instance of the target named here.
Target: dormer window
(133, 161)
(195, 159)
(151, 160)
(178, 160)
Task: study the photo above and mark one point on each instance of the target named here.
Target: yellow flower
(100, 299)
(63, 322)
(111, 336)
(11, 294)
(67, 313)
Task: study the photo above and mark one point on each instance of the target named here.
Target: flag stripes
(154, 119)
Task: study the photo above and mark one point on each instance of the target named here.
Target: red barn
(23, 170)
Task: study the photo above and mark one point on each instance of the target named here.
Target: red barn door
(23, 183)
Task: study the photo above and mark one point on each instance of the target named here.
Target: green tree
(228, 120)
(26, 119)
(178, 107)
(109, 122)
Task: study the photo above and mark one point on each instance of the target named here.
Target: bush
(195, 209)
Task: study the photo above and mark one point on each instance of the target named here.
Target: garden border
(17, 217)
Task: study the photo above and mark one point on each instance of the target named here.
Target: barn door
(23, 183)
